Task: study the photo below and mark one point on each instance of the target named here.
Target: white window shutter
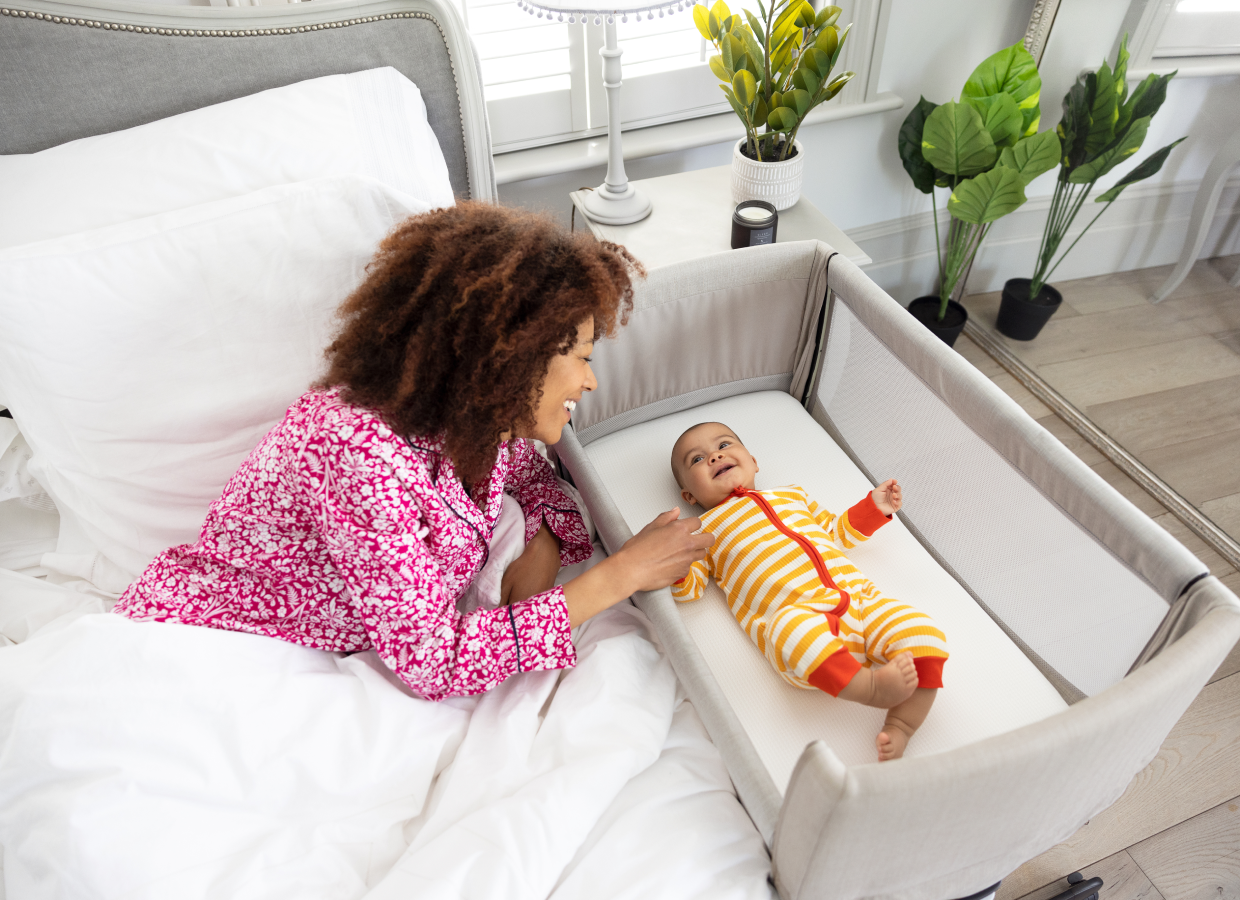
(1200, 28)
(544, 83)
(532, 73)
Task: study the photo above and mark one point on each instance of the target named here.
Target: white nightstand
(692, 217)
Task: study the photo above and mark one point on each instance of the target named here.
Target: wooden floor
(1164, 381)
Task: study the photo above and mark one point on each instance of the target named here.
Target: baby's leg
(884, 686)
(902, 721)
(893, 629)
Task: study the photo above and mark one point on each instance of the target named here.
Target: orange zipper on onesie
(814, 554)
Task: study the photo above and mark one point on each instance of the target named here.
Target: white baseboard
(1145, 227)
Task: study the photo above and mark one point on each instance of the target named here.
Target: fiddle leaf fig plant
(1102, 126)
(774, 67)
(985, 147)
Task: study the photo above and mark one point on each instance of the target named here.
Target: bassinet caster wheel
(1080, 888)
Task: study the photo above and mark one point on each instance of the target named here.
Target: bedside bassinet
(1079, 630)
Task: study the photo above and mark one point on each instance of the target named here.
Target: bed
(275, 771)
(669, 762)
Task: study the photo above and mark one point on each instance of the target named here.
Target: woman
(360, 519)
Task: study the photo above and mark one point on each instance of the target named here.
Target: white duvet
(148, 760)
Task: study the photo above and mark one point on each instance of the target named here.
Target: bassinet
(1096, 604)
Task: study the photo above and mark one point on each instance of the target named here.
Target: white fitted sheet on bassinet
(990, 686)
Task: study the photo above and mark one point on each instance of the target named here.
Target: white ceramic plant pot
(778, 183)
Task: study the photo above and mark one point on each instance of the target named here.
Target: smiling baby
(779, 558)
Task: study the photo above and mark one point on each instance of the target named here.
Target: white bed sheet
(28, 519)
(990, 687)
(155, 760)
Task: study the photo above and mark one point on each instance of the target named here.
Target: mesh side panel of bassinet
(1076, 609)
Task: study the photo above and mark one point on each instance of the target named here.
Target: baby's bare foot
(895, 682)
(891, 742)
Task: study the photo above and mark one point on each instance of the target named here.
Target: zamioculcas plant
(775, 67)
(986, 148)
(1102, 126)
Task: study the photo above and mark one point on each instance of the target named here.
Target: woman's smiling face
(568, 377)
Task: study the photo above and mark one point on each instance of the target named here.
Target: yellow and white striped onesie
(817, 635)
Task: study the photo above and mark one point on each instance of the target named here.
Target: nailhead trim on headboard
(213, 32)
(253, 32)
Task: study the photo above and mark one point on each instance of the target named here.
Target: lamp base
(611, 208)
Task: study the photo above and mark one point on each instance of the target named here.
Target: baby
(779, 558)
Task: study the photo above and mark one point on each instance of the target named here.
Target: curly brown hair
(461, 312)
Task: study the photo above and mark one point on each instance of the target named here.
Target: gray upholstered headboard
(71, 70)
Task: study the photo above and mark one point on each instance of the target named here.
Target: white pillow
(145, 360)
(368, 123)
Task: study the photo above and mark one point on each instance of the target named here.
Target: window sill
(573, 156)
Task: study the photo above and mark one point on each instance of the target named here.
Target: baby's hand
(887, 497)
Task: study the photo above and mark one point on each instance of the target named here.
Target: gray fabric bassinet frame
(72, 70)
(791, 317)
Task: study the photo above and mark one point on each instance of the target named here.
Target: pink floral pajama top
(336, 533)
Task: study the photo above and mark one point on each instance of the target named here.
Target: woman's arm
(531, 481)
(534, 571)
(372, 502)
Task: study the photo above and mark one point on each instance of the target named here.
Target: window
(531, 72)
(543, 77)
(1195, 36)
(1200, 28)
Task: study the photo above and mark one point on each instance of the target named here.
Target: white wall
(855, 177)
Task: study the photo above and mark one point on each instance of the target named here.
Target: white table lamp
(615, 201)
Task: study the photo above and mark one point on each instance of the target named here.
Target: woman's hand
(656, 556)
(534, 570)
(662, 552)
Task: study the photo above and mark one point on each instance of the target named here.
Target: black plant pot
(926, 311)
(1021, 318)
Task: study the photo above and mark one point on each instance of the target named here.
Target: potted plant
(775, 68)
(986, 148)
(1102, 126)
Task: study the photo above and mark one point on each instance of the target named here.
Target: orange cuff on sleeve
(866, 517)
(929, 671)
(834, 673)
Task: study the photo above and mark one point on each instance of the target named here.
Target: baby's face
(712, 462)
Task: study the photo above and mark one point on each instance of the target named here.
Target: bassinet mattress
(990, 686)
